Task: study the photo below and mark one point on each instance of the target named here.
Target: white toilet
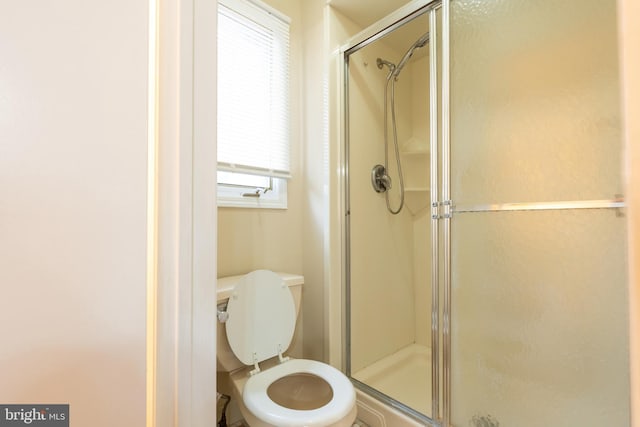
(274, 390)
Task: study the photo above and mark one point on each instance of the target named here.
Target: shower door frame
(371, 34)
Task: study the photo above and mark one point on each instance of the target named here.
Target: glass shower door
(391, 109)
(538, 301)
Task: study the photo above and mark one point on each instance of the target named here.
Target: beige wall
(251, 239)
(315, 171)
(629, 32)
(73, 189)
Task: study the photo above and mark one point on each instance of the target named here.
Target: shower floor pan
(404, 375)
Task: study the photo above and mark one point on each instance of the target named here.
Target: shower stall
(484, 228)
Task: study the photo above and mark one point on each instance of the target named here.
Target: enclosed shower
(391, 126)
(484, 214)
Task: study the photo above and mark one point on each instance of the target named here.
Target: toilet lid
(262, 317)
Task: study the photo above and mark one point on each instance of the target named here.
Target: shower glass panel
(535, 101)
(539, 319)
(388, 209)
(538, 249)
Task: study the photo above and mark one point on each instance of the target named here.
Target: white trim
(231, 197)
(185, 387)
(152, 215)
(202, 361)
(340, 219)
(243, 6)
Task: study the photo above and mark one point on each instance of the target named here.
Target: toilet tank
(226, 360)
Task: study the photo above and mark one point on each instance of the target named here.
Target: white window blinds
(253, 89)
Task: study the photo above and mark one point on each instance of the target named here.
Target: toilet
(270, 388)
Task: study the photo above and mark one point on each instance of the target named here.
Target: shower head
(421, 42)
(392, 67)
(381, 63)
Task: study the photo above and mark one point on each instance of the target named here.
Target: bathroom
(386, 248)
(115, 147)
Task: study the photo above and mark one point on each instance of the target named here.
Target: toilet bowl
(272, 389)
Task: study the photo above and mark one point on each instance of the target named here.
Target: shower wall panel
(382, 298)
(419, 73)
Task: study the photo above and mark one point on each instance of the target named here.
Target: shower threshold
(404, 376)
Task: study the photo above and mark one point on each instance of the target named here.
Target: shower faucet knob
(380, 181)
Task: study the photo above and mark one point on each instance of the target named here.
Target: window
(253, 105)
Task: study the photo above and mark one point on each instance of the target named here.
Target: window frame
(236, 196)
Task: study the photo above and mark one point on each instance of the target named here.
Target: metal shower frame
(387, 25)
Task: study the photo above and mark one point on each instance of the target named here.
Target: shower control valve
(380, 181)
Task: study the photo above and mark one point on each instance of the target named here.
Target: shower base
(404, 375)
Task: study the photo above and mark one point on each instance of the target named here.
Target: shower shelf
(415, 146)
(414, 153)
(415, 160)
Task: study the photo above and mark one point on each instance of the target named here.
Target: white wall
(73, 188)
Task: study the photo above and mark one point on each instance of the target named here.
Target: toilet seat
(255, 396)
